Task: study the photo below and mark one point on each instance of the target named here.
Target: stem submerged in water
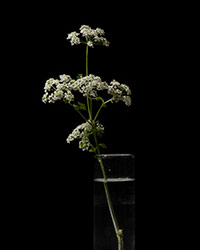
(118, 231)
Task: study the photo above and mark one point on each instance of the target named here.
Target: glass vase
(120, 183)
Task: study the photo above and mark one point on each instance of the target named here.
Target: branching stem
(103, 104)
(118, 231)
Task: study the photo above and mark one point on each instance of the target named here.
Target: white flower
(69, 97)
(65, 78)
(120, 92)
(90, 44)
(86, 31)
(50, 83)
(92, 36)
(64, 88)
(45, 98)
(59, 86)
(58, 94)
(127, 100)
(100, 31)
(99, 128)
(73, 37)
(51, 98)
(89, 85)
(84, 143)
(101, 40)
(81, 132)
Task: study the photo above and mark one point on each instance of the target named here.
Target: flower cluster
(74, 39)
(92, 36)
(82, 132)
(89, 85)
(120, 92)
(58, 89)
(64, 88)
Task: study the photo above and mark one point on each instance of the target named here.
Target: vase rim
(116, 155)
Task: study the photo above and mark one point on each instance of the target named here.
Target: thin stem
(114, 219)
(110, 100)
(89, 103)
(79, 113)
(112, 213)
(91, 106)
(98, 111)
(88, 106)
(118, 231)
(104, 103)
(86, 60)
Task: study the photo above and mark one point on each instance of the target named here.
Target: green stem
(81, 115)
(118, 231)
(89, 103)
(104, 103)
(91, 107)
(78, 112)
(112, 213)
(88, 106)
(86, 60)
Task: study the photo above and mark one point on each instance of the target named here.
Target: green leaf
(79, 76)
(79, 106)
(82, 106)
(92, 150)
(102, 145)
(65, 101)
(75, 106)
(98, 98)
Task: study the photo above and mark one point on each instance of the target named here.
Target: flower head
(73, 37)
(120, 92)
(58, 90)
(92, 36)
(91, 85)
(90, 44)
(82, 133)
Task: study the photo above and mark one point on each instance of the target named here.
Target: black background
(47, 183)
(51, 189)
(62, 186)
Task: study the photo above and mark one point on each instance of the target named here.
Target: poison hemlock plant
(92, 89)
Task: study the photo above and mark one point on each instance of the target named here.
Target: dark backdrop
(53, 55)
(55, 194)
(46, 182)
(63, 173)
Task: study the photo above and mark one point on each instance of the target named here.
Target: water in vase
(122, 193)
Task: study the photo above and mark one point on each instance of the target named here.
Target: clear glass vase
(120, 173)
